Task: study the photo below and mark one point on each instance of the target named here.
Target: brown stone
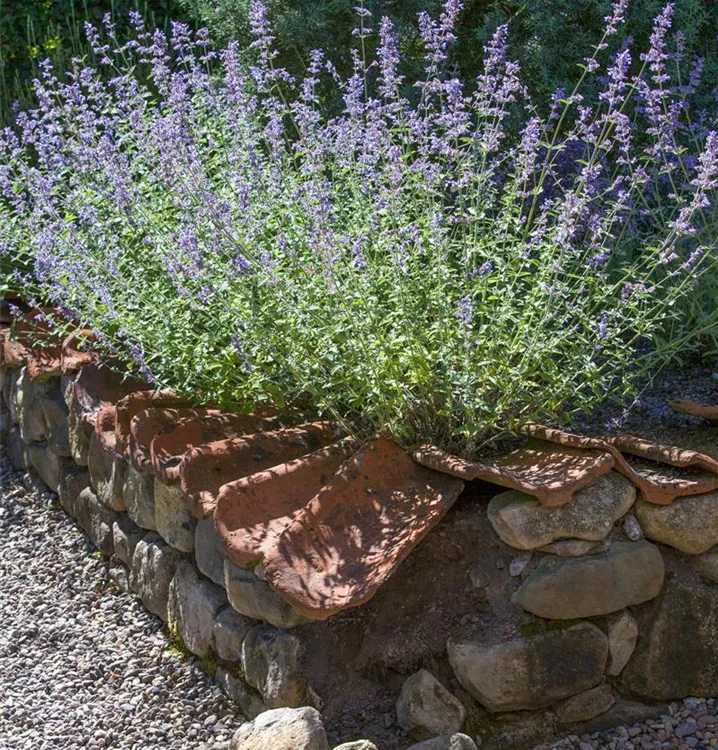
(552, 474)
(204, 469)
(252, 512)
(167, 448)
(76, 351)
(357, 530)
(132, 404)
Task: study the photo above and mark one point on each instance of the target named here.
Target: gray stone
(192, 606)
(154, 565)
(96, 519)
(572, 587)
(676, 655)
(426, 708)
(357, 745)
(10, 388)
(249, 700)
(66, 384)
(230, 630)
(47, 464)
(690, 524)
(139, 494)
(447, 742)
(282, 729)
(79, 434)
(209, 551)
(172, 517)
(622, 632)
(125, 534)
(574, 547)
(55, 414)
(74, 479)
(631, 528)
(707, 564)
(254, 598)
(517, 731)
(270, 660)
(519, 564)
(29, 408)
(17, 449)
(5, 421)
(120, 575)
(533, 672)
(107, 472)
(522, 522)
(586, 705)
(624, 713)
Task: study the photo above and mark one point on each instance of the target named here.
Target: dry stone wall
(513, 620)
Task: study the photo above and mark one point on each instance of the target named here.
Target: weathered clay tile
(204, 469)
(552, 473)
(95, 387)
(696, 409)
(13, 353)
(132, 404)
(34, 342)
(355, 532)
(76, 351)
(252, 512)
(153, 422)
(656, 487)
(167, 448)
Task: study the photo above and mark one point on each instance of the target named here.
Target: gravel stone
(81, 664)
(690, 723)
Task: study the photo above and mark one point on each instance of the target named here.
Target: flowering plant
(444, 265)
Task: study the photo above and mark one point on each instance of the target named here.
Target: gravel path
(687, 725)
(83, 665)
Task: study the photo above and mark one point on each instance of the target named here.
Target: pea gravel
(83, 665)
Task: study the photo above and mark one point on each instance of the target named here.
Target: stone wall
(510, 622)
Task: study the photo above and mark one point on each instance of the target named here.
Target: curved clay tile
(550, 473)
(204, 469)
(155, 421)
(252, 512)
(97, 386)
(167, 448)
(696, 409)
(13, 353)
(657, 489)
(343, 545)
(75, 351)
(31, 342)
(132, 404)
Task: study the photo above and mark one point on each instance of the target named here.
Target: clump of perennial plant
(437, 257)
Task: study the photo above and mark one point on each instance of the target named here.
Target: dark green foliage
(32, 30)
(550, 38)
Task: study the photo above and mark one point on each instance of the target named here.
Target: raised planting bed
(404, 595)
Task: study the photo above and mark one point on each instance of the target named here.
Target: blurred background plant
(548, 37)
(33, 30)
